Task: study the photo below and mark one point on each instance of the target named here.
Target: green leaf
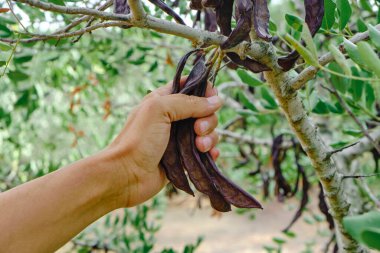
(374, 35)
(272, 26)
(294, 22)
(153, 66)
(369, 96)
(364, 228)
(246, 102)
(17, 75)
(340, 59)
(371, 237)
(267, 96)
(279, 240)
(247, 78)
(303, 51)
(321, 108)
(345, 12)
(5, 46)
(339, 144)
(353, 132)
(329, 17)
(362, 27)
(369, 57)
(352, 51)
(340, 83)
(357, 86)
(366, 5)
(306, 36)
(58, 2)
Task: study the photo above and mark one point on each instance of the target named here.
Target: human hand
(138, 149)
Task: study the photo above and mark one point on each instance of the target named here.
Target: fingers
(214, 152)
(178, 106)
(206, 125)
(167, 89)
(207, 142)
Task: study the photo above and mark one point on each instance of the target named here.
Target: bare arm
(43, 214)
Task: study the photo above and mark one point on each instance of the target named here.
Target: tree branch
(315, 148)
(309, 73)
(256, 50)
(137, 10)
(41, 37)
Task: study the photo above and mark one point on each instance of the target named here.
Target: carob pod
(248, 63)
(243, 27)
(314, 12)
(210, 20)
(191, 161)
(165, 8)
(230, 191)
(196, 5)
(282, 187)
(210, 3)
(224, 16)
(223, 19)
(171, 161)
(122, 7)
(261, 19)
(305, 186)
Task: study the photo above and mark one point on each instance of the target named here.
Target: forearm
(42, 215)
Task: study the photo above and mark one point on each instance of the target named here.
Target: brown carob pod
(171, 161)
(243, 26)
(200, 167)
(224, 16)
(210, 20)
(210, 3)
(229, 190)
(261, 19)
(248, 63)
(165, 8)
(196, 170)
(314, 12)
(121, 7)
(196, 5)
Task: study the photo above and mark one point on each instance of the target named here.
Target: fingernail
(214, 100)
(204, 126)
(207, 142)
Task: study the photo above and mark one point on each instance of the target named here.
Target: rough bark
(317, 151)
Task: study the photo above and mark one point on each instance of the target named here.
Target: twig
(10, 57)
(14, 14)
(307, 74)
(370, 194)
(342, 148)
(84, 18)
(360, 176)
(137, 10)
(348, 110)
(41, 37)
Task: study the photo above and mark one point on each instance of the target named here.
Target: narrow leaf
(340, 59)
(303, 51)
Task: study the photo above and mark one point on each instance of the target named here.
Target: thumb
(180, 106)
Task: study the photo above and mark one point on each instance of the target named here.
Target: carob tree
(248, 45)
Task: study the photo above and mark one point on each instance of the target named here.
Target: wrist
(114, 176)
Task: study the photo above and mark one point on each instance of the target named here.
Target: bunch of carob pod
(181, 158)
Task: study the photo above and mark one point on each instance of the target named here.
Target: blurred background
(62, 100)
